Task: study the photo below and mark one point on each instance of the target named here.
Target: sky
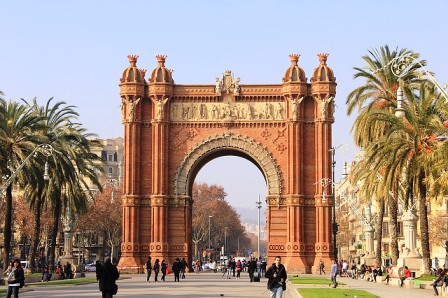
(76, 51)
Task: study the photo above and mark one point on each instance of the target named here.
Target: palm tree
(408, 148)
(379, 93)
(18, 139)
(71, 163)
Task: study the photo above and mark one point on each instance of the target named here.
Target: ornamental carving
(225, 141)
(219, 111)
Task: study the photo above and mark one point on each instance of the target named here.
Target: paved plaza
(206, 285)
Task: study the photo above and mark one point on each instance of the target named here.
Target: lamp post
(334, 223)
(225, 240)
(258, 243)
(45, 149)
(209, 217)
(399, 67)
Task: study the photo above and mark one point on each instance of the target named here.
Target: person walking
(277, 277)
(239, 267)
(148, 266)
(321, 267)
(16, 279)
(183, 267)
(334, 273)
(252, 266)
(177, 267)
(156, 269)
(163, 267)
(107, 274)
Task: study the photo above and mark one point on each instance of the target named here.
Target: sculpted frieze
(249, 111)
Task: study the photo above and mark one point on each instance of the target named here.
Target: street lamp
(334, 223)
(209, 217)
(45, 149)
(225, 240)
(399, 67)
(259, 207)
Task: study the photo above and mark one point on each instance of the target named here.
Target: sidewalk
(379, 289)
(203, 285)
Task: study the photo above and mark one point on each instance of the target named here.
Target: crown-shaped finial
(161, 59)
(322, 58)
(132, 59)
(294, 58)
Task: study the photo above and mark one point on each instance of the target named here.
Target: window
(110, 171)
(111, 157)
(385, 229)
(104, 155)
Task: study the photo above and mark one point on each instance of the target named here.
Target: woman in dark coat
(107, 274)
(16, 279)
(156, 269)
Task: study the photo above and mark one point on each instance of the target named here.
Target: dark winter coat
(107, 274)
(281, 273)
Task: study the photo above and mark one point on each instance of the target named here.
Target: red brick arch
(172, 130)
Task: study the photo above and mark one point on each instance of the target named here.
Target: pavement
(205, 285)
(202, 285)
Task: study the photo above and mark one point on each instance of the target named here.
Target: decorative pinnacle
(294, 58)
(322, 58)
(132, 59)
(161, 59)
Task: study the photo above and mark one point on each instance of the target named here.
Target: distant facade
(171, 131)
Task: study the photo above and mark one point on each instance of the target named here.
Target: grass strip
(311, 280)
(334, 293)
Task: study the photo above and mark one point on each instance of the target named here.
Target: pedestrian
(334, 273)
(163, 267)
(251, 268)
(156, 269)
(177, 267)
(148, 266)
(16, 279)
(68, 270)
(239, 267)
(321, 267)
(277, 277)
(107, 274)
(183, 268)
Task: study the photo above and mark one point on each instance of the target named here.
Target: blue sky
(76, 51)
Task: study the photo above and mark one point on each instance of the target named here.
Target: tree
(71, 166)
(407, 149)
(379, 93)
(210, 201)
(18, 139)
(104, 216)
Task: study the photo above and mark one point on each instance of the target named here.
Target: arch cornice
(228, 140)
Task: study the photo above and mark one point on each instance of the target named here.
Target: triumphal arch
(172, 130)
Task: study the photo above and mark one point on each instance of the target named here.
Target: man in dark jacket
(177, 266)
(251, 267)
(107, 274)
(277, 279)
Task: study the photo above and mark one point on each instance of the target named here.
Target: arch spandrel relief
(229, 141)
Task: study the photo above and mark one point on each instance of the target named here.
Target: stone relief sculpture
(294, 106)
(159, 107)
(224, 111)
(236, 87)
(130, 104)
(323, 105)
